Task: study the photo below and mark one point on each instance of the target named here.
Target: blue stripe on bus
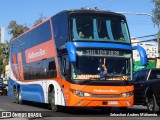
(30, 92)
(103, 45)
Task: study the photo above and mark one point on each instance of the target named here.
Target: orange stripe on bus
(15, 65)
(20, 66)
(39, 52)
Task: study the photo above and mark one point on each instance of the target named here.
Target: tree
(156, 13)
(39, 20)
(15, 29)
(4, 56)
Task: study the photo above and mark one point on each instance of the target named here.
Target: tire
(152, 106)
(18, 97)
(51, 98)
(20, 101)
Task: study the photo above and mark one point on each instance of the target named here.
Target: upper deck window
(99, 27)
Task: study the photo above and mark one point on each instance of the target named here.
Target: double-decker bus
(80, 58)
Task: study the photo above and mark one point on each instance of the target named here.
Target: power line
(145, 40)
(146, 36)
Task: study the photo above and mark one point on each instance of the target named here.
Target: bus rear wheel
(20, 101)
(51, 98)
(17, 96)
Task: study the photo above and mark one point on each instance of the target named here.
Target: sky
(27, 11)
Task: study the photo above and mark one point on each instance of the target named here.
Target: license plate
(113, 102)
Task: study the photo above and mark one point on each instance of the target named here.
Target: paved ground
(69, 114)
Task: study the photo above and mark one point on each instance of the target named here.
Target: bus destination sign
(97, 52)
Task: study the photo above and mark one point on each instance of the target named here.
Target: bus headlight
(80, 93)
(127, 94)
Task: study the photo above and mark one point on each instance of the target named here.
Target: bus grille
(105, 96)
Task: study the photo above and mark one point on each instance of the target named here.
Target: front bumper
(101, 102)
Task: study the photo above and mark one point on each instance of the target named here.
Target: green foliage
(156, 13)
(15, 29)
(4, 56)
(39, 20)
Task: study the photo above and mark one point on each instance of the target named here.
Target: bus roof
(83, 10)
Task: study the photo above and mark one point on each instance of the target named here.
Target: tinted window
(34, 37)
(60, 29)
(155, 74)
(99, 27)
(39, 70)
(135, 76)
(92, 66)
(140, 75)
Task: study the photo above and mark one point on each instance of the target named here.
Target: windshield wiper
(90, 79)
(125, 80)
(85, 81)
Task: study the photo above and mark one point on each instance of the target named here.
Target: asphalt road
(71, 113)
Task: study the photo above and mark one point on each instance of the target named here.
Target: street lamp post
(136, 13)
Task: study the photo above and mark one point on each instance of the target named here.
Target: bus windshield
(99, 27)
(93, 68)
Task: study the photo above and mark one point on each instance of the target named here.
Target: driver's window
(65, 65)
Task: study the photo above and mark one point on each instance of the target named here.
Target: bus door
(66, 75)
(43, 72)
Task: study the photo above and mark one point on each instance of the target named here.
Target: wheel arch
(59, 96)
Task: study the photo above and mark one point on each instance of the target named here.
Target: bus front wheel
(51, 98)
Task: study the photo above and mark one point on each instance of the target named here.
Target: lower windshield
(94, 68)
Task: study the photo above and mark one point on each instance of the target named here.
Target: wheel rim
(150, 105)
(52, 100)
(16, 95)
(19, 97)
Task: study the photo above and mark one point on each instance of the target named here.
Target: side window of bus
(45, 68)
(60, 28)
(52, 69)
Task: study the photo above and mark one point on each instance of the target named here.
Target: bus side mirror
(71, 48)
(142, 53)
